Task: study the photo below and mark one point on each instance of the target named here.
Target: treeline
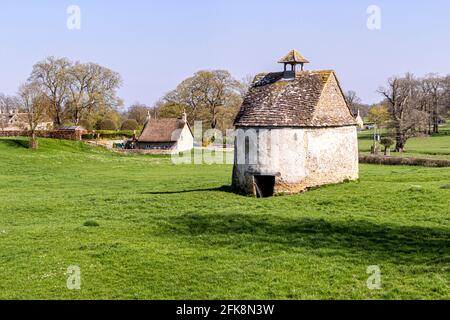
(74, 93)
(411, 106)
(68, 92)
(210, 96)
(213, 97)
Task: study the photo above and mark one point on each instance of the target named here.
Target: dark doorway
(265, 186)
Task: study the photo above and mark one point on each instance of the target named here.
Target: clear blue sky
(156, 44)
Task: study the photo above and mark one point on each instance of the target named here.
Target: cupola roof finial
(293, 58)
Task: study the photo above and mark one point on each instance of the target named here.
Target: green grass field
(436, 146)
(140, 227)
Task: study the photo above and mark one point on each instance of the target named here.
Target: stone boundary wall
(143, 151)
(384, 160)
(52, 134)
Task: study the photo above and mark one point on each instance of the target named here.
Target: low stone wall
(143, 151)
(52, 134)
(403, 161)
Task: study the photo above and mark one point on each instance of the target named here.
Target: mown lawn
(435, 147)
(176, 232)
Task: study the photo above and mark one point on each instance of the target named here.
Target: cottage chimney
(184, 117)
(292, 59)
(149, 115)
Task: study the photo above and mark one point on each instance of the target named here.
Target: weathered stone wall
(299, 158)
(332, 155)
(142, 151)
(332, 105)
(53, 134)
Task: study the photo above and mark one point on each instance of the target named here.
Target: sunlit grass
(140, 227)
(436, 146)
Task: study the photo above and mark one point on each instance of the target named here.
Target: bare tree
(2, 103)
(91, 86)
(188, 96)
(399, 94)
(446, 97)
(219, 88)
(35, 105)
(139, 112)
(245, 84)
(431, 99)
(205, 94)
(52, 74)
(353, 101)
(3, 113)
(8, 104)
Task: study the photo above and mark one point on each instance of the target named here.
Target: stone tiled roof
(273, 101)
(72, 128)
(293, 57)
(162, 130)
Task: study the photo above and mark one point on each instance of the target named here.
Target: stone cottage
(16, 121)
(166, 135)
(294, 131)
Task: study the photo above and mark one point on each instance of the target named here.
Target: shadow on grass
(218, 189)
(15, 143)
(376, 242)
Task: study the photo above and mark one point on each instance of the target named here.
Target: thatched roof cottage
(166, 135)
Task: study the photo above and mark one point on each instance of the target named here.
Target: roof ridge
(324, 85)
(164, 119)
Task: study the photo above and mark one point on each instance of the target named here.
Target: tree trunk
(58, 120)
(399, 139)
(400, 143)
(435, 123)
(436, 128)
(77, 116)
(435, 118)
(33, 141)
(57, 114)
(213, 122)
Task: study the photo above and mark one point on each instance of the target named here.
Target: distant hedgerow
(107, 124)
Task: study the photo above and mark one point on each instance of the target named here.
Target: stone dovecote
(294, 131)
